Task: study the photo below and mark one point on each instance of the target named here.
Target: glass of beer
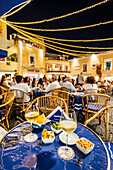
(68, 125)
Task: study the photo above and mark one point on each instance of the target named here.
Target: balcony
(58, 71)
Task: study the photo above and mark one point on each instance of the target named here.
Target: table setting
(61, 143)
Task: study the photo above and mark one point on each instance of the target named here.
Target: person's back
(90, 85)
(68, 85)
(53, 85)
(22, 86)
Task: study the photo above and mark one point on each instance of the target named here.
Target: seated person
(45, 82)
(27, 81)
(22, 86)
(53, 85)
(4, 82)
(13, 82)
(90, 84)
(34, 83)
(106, 83)
(66, 83)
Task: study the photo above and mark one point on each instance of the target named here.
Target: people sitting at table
(106, 83)
(45, 82)
(27, 80)
(34, 83)
(22, 86)
(13, 82)
(66, 83)
(53, 85)
(111, 86)
(40, 83)
(4, 82)
(90, 84)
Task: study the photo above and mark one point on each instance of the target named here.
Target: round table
(14, 150)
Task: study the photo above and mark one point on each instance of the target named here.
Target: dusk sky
(44, 9)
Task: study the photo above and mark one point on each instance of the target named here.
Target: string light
(67, 29)
(24, 4)
(63, 16)
(85, 52)
(59, 49)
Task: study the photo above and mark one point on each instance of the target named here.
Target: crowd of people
(25, 83)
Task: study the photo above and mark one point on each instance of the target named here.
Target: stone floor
(94, 125)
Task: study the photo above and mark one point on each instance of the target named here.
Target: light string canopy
(77, 51)
(66, 29)
(73, 46)
(9, 13)
(59, 49)
(62, 16)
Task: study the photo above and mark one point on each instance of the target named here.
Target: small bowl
(82, 149)
(55, 130)
(47, 141)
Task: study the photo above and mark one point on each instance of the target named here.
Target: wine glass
(68, 125)
(30, 161)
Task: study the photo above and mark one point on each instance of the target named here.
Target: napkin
(56, 114)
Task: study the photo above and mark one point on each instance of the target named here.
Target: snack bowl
(48, 137)
(84, 145)
(55, 130)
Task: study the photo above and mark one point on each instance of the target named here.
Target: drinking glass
(68, 125)
(30, 161)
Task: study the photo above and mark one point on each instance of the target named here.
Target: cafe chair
(46, 104)
(68, 97)
(19, 101)
(6, 101)
(94, 102)
(106, 114)
(89, 91)
(3, 89)
(3, 132)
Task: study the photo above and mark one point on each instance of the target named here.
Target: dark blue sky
(45, 9)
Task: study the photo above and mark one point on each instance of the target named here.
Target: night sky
(44, 9)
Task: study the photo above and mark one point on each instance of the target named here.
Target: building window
(84, 67)
(12, 57)
(108, 64)
(32, 59)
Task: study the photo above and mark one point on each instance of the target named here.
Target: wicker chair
(3, 89)
(94, 102)
(106, 114)
(90, 91)
(19, 101)
(46, 104)
(68, 97)
(6, 101)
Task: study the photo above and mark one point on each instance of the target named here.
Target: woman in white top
(90, 85)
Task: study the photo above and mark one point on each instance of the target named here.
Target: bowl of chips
(40, 121)
(84, 145)
(47, 136)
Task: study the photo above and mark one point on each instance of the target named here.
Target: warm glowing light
(29, 45)
(75, 61)
(41, 52)
(94, 57)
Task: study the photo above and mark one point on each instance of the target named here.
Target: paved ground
(94, 125)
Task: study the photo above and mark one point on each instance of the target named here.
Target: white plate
(72, 138)
(31, 137)
(32, 114)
